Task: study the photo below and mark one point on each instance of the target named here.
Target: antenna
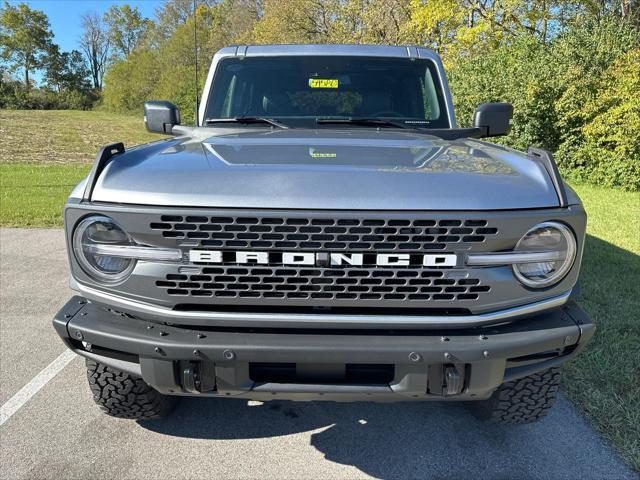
(195, 48)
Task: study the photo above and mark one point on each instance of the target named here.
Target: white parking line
(16, 402)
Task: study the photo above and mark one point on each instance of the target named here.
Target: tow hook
(452, 380)
(191, 378)
(199, 377)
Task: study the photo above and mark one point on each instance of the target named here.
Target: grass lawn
(65, 136)
(604, 381)
(44, 154)
(33, 195)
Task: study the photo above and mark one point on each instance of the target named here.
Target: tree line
(71, 79)
(570, 67)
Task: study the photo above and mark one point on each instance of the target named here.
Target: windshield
(303, 89)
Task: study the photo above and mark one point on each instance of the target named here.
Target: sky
(64, 16)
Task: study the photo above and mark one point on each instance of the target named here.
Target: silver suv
(325, 232)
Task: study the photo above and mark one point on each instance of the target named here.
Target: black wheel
(520, 401)
(121, 395)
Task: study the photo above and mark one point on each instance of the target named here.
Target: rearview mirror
(493, 119)
(160, 116)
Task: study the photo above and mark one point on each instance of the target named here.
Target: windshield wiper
(443, 133)
(373, 122)
(269, 121)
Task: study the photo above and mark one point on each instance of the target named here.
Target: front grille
(326, 234)
(304, 283)
(368, 285)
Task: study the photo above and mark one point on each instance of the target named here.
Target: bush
(610, 151)
(128, 83)
(518, 72)
(577, 96)
(592, 85)
(75, 99)
(15, 96)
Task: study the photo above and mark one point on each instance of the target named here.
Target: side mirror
(160, 116)
(493, 119)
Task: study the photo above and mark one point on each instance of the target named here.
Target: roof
(404, 51)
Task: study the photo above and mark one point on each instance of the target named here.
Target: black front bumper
(421, 365)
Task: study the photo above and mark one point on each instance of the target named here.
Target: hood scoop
(318, 152)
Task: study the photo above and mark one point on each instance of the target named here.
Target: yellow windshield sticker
(314, 154)
(323, 83)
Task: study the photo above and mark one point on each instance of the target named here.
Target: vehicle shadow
(406, 440)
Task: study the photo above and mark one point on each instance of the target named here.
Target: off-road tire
(524, 400)
(124, 396)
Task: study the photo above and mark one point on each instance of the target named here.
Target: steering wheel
(387, 113)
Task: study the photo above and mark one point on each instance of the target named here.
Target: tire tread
(524, 400)
(124, 396)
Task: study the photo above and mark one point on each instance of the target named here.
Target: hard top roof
(401, 51)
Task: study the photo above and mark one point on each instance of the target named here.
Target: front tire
(525, 400)
(123, 396)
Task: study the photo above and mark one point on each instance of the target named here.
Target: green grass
(44, 154)
(33, 195)
(604, 381)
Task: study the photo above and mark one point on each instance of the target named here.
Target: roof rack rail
(104, 156)
(546, 159)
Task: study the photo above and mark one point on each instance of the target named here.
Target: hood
(352, 169)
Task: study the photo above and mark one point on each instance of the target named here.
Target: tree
(25, 38)
(66, 71)
(298, 21)
(95, 45)
(126, 28)
(128, 84)
(174, 13)
(610, 153)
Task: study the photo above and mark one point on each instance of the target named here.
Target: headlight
(552, 238)
(89, 239)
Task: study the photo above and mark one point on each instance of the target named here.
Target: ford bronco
(325, 232)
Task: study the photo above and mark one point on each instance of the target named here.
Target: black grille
(352, 234)
(255, 282)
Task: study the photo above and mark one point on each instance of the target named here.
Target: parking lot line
(30, 389)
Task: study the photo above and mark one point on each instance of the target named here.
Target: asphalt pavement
(60, 433)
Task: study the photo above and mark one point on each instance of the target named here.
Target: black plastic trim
(546, 159)
(105, 154)
(555, 329)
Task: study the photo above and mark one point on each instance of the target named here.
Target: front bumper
(460, 364)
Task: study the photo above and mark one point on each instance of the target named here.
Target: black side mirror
(160, 116)
(493, 119)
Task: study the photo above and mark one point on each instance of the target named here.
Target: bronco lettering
(336, 259)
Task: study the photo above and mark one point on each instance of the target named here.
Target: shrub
(610, 151)
(15, 96)
(518, 72)
(576, 95)
(128, 83)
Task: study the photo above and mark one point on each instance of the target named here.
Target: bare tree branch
(94, 42)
